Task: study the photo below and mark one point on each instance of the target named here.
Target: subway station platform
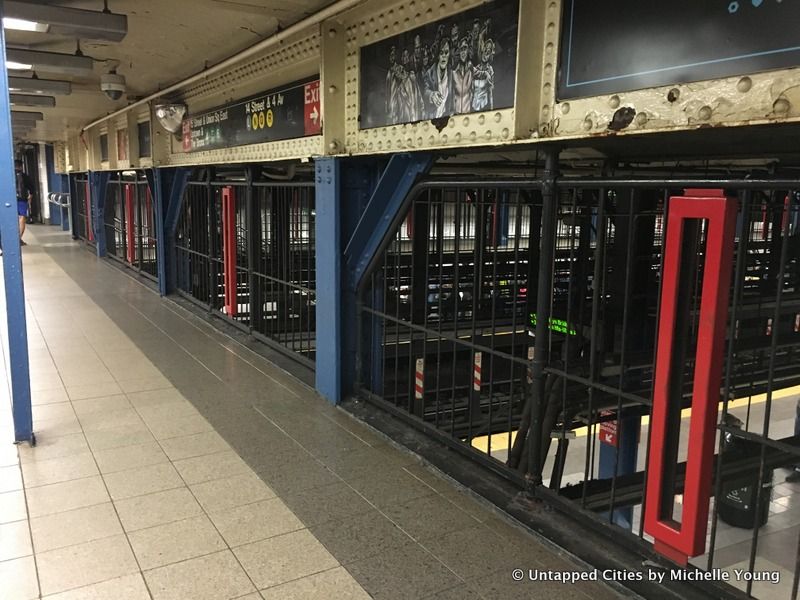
(172, 462)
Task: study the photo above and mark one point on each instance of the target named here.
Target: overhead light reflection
(18, 66)
(24, 25)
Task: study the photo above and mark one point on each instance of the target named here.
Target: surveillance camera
(113, 85)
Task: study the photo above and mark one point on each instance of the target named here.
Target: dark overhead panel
(73, 22)
(20, 116)
(32, 100)
(51, 62)
(36, 85)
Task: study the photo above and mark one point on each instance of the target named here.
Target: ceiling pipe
(315, 19)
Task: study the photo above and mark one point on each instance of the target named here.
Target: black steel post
(533, 476)
(253, 246)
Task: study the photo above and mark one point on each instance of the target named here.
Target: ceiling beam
(51, 62)
(32, 100)
(73, 22)
(44, 86)
(26, 116)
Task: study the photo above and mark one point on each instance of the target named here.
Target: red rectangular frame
(688, 538)
(229, 249)
(130, 223)
(88, 204)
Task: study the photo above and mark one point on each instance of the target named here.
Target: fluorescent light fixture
(50, 61)
(23, 25)
(39, 86)
(17, 66)
(74, 22)
(26, 100)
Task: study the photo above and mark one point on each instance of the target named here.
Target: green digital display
(557, 325)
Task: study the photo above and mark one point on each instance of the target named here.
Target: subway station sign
(279, 114)
(622, 45)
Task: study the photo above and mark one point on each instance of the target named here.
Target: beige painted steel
(333, 86)
(329, 43)
(60, 157)
(298, 148)
(298, 58)
(761, 98)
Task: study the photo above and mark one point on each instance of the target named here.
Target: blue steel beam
(355, 206)
(328, 241)
(98, 183)
(387, 199)
(155, 183)
(167, 186)
(12, 268)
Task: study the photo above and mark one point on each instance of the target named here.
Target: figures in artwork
(463, 76)
(483, 78)
(451, 72)
(439, 83)
(403, 97)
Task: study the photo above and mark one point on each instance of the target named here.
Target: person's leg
(22, 210)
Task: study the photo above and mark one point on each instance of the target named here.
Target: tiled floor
(173, 463)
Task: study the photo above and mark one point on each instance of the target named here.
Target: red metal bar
(678, 541)
(410, 224)
(88, 201)
(495, 223)
(229, 249)
(130, 223)
(148, 212)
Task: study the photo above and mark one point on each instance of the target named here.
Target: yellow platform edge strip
(503, 441)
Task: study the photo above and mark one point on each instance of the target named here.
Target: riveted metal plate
(756, 99)
(60, 157)
(287, 149)
(290, 61)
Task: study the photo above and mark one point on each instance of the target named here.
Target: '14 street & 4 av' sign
(289, 112)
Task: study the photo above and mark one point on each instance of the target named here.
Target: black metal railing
(82, 219)
(130, 222)
(283, 273)
(269, 289)
(452, 307)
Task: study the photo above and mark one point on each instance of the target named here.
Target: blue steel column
(343, 189)
(98, 183)
(329, 249)
(329, 278)
(355, 210)
(12, 268)
(167, 186)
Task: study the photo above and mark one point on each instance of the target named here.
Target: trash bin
(736, 504)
